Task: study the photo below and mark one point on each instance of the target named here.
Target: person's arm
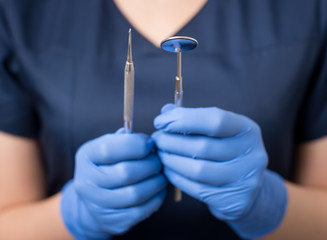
(306, 216)
(25, 213)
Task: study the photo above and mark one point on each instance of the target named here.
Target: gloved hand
(117, 183)
(218, 157)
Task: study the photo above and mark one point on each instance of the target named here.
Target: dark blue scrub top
(61, 81)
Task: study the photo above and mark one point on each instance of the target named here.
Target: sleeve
(312, 123)
(17, 114)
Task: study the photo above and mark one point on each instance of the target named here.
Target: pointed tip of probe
(129, 53)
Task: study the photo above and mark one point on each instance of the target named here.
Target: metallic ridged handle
(129, 88)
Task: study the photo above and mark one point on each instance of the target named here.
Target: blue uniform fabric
(61, 82)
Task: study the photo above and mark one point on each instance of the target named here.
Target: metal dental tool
(179, 44)
(129, 88)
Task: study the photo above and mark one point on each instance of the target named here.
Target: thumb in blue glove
(117, 183)
(218, 157)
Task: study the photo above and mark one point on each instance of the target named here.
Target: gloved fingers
(76, 216)
(127, 196)
(120, 174)
(210, 172)
(143, 211)
(112, 148)
(228, 199)
(118, 221)
(228, 212)
(203, 147)
(204, 121)
(192, 188)
(167, 107)
(120, 131)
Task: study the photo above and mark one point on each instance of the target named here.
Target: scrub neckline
(191, 22)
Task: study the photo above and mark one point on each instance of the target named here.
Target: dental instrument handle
(178, 103)
(178, 44)
(179, 81)
(129, 88)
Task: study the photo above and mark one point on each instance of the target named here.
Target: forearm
(306, 215)
(38, 220)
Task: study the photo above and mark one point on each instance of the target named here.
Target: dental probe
(129, 88)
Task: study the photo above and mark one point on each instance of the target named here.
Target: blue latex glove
(117, 183)
(218, 157)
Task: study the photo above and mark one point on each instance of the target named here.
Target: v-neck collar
(181, 29)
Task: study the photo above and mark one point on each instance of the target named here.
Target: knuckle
(142, 145)
(255, 128)
(216, 120)
(261, 158)
(101, 144)
(103, 149)
(203, 147)
(199, 171)
(133, 196)
(122, 173)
